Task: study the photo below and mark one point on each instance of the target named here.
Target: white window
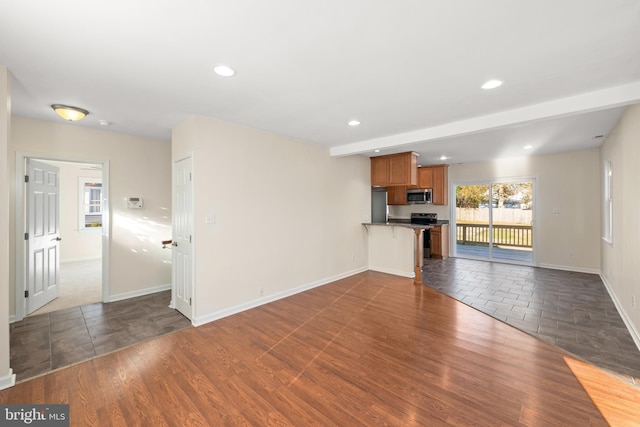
(90, 206)
(607, 217)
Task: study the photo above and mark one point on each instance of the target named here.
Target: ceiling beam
(578, 104)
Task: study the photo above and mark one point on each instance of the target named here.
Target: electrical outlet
(261, 291)
(572, 255)
(633, 301)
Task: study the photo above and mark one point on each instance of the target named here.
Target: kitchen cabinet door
(397, 195)
(425, 177)
(439, 242)
(440, 185)
(380, 171)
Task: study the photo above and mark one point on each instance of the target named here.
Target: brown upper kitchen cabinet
(425, 177)
(397, 195)
(394, 170)
(440, 184)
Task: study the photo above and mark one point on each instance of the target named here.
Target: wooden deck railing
(504, 235)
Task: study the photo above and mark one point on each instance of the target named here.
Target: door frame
(490, 182)
(20, 224)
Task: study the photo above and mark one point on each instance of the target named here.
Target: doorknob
(174, 244)
(57, 239)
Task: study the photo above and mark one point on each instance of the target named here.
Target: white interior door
(43, 235)
(182, 257)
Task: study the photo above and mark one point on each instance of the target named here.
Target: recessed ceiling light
(598, 137)
(223, 70)
(353, 123)
(104, 123)
(443, 157)
(376, 151)
(492, 84)
(528, 147)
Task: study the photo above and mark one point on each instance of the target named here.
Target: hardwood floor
(371, 349)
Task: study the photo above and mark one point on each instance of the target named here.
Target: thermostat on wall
(134, 202)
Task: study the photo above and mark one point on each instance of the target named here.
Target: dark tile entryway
(49, 341)
(570, 310)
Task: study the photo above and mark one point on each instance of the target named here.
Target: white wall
(77, 244)
(392, 250)
(620, 258)
(288, 216)
(7, 379)
(138, 167)
(568, 181)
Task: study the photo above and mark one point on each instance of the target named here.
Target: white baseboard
(64, 261)
(139, 293)
(410, 275)
(625, 317)
(8, 380)
(207, 318)
(570, 268)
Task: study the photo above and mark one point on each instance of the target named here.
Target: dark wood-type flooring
(371, 349)
(46, 342)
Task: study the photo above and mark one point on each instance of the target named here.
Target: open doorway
(83, 218)
(80, 226)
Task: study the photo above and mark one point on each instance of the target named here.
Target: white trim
(12, 318)
(20, 226)
(625, 317)
(8, 380)
(93, 258)
(410, 274)
(139, 292)
(207, 318)
(570, 268)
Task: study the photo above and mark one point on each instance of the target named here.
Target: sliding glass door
(494, 220)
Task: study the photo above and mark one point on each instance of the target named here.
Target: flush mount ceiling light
(492, 84)
(353, 123)
(443, 158)
(528, 147)
(224, 70)
(69, 113)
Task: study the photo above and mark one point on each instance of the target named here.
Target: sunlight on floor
(616, 400)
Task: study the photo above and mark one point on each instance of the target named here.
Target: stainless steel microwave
(419, 196)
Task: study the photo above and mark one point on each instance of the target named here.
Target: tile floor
(45, 342)
(570, 310)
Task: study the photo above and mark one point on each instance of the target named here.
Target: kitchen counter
(396, 247)
(399, 224)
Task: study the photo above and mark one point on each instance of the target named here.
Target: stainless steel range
(424, 218)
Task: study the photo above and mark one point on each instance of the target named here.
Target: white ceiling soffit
(574, 105)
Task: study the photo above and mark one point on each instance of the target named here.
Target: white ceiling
(409, 70)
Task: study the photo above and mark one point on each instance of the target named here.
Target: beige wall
(288, 216)
(77, 244)
(6, 377)
(568, 181)
(620, 258)
(138, 167)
